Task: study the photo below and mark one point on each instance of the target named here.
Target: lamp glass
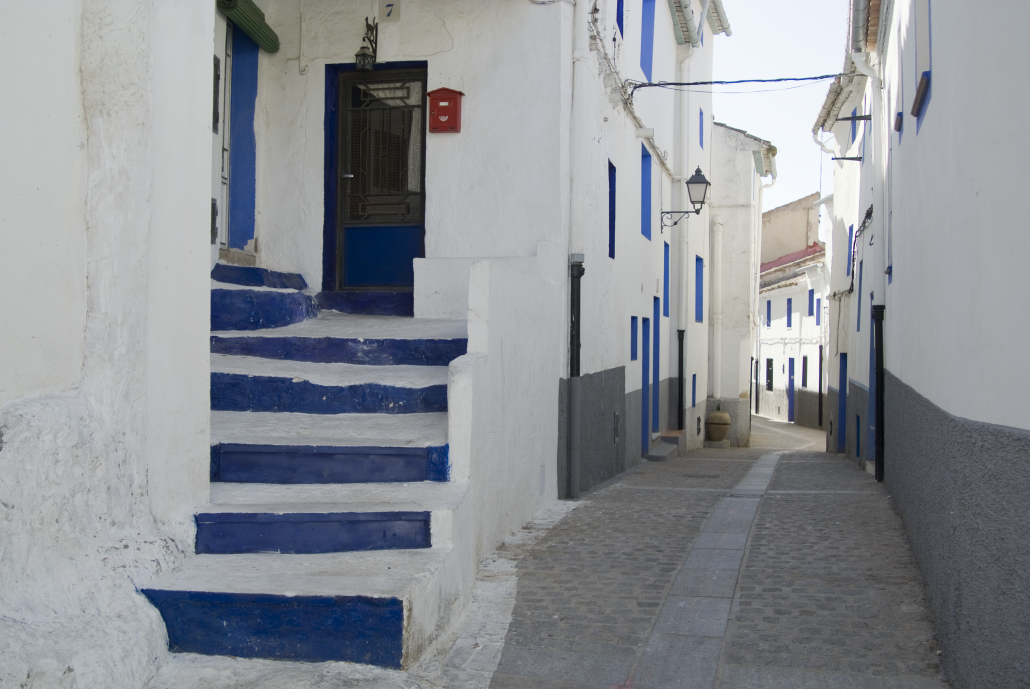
(697, 189)
(364, 60)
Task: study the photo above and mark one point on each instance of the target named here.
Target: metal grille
(384, 140)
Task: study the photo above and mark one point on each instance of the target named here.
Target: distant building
(791, 352)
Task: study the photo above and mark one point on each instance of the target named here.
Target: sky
(796, 38)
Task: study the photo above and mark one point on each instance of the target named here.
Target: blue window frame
(611, 210)
(645, 192)
(699, 289)
(858, 308)
(818, 311)
(924, 61)
(632, 338)
(701, 127)
(811, 302)
(693, 390)
(656, 368)
(665, 284)
(620, 11)
(790, 312)
(768, 313)
(647, 37)
(851, 242)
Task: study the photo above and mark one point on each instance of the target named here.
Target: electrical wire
(634, 85)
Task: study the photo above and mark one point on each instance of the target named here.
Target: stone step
(257, 277)
(662, 451)
(375, 607)
(369, 303)
(332, 430)
(238, 308)
(343, 338)
(246, 384)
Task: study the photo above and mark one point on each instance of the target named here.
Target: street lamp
(365, 58)
(697, 189)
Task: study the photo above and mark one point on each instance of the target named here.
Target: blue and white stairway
(330, 529)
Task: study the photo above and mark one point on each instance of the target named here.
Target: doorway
(376, 179)
(790, 389)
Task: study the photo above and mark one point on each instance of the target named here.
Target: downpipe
(878, 313)
(576, 271)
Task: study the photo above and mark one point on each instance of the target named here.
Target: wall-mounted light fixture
(365, 58)
(697, 189)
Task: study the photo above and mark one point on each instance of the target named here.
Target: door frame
(332, 163)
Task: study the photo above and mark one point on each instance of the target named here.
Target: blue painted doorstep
(306, 533)
(305, 628)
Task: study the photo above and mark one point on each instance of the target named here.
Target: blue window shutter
(851, 241)
(611, 210)
(768, 313)
(790, 309)
(701, 127)
(632, 338)
(665, 288)
(693, 390)
(854, 125)
(818, 311)
(699, 289)
(645, 192)
(620, 11)
(858, 317)
(811, 302)
(647, 37)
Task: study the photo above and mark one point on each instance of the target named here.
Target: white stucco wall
(99, 481)
(791, 227)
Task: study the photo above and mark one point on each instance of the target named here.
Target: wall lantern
(697, 189)
(365, 58)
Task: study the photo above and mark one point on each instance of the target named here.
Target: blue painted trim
(242, 142)
(611, 209)
(438, 467)
(256, 277)
(331, 174)
(858, 306)
(665, 284)
(842, 403)
(851, 249)
(818, 311)
(768, 313)
(701, 127)
(224, 533)
(645, 384)
(693, 390)
(632, 338)
(645, 192)
(243, 309)
(656, 367)
(861, 386)
(699, 289)
(620, 13)
(790, 312)
(647, 37)
(311, 464)
(369, 303)
(236, 392)
(811, 302)
(371, 352)
(790, 388)
(301, 628)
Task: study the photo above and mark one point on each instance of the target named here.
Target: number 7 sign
(389, 11)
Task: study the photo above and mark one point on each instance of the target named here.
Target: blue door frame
(790, 389)
(656, 369)
(645, 398)
(842, 404)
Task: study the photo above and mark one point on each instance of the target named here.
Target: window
(854, 125)
(699, 289)
(632, 338)
(701, 127)
(611, 210)
(645, 192)
(768, 374)
(693, 390)
(811, 302)
(768, 313)
(818, 311)
(804, 371)
(858, 302)
(647, 37)
(620, 11)
(665, 284)
(790, 314)
(851, 246)
(924, 60)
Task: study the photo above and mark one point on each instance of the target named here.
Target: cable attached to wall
(854, 253)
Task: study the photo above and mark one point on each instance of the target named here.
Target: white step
(334, 430)
(334, 375)
(343, 325)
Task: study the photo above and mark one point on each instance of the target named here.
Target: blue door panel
(381, 256)
(242, 143)
(842, 403)
(790, 389)
(645, 398)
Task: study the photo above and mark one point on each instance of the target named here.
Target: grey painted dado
(806, 408)
(961, 487)
(772, 403)
(857, 433)
(603, 452)
(830, 419)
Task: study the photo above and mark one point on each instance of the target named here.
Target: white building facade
(926, 206)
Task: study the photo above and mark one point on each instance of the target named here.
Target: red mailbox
(445, 110)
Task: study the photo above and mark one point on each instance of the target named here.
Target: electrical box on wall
(445, 110)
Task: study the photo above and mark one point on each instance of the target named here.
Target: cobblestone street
(773, 566)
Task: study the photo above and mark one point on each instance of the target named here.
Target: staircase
(330, 531)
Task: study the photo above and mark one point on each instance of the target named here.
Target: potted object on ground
(718, 424)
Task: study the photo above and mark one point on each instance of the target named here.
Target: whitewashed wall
(104, 456)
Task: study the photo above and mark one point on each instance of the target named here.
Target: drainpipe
(684, 248)
(878, 313)
(576, 271)
(716, 278)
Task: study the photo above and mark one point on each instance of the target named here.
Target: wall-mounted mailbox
(445, 110)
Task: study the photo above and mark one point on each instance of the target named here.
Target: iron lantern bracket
(668, 215)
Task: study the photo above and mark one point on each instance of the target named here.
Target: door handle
(347, 176)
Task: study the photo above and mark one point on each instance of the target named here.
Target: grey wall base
(830, 402)
(961, 487)
(739, 410)
(858, 415)
(604, 429)
(806, 408)
(772, 403)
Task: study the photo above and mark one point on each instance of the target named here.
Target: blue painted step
(237, 392)
(369, 303)
(371, 352)
(357, 629)
(244, 309)
(315, 532)
(300, 464)
(257, 277)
